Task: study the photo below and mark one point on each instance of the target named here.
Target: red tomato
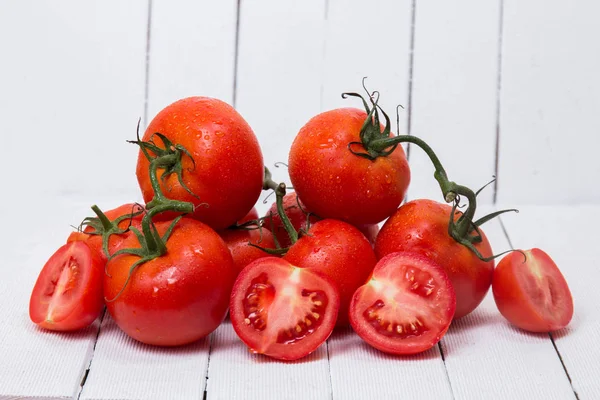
(251, 216)
(227, 171)
(421, 226)
(115, 241)
(282, 311)
(68, 292)
(406, 307)
(296, 211)
(339, 251)
(243, 254)
(532, 295)
(335, 183)
(176, 298)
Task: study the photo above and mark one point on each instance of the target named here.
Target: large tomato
(339, 251)
(94, 241)
(178, 297)
(532, 294)
(421, 226)
(227, 168)
(334, 182)
(282, 311)
(68, 292)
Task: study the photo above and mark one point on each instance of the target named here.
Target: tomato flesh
(533, 295)
(281, 310)
(406, 307)
(68, 292)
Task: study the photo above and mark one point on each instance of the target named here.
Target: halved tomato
(406, 307)
(68, 292)
(281, 310)
(532, 294)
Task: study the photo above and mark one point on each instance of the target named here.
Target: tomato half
(282, 311)
(335, 183)
(227, 168)
(238, 242)
(68, 292)
(176, 298)
(406, 307)
(421, 226)
(532, 294)
(339, 251)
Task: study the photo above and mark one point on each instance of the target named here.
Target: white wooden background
(508, 88)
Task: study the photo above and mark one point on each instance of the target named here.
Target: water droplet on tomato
(338, 179)
(316, 249)
(219, 133)
(206, 137)
(408, 237)
(388, 179)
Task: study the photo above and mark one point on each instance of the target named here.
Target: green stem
(449, 189)
(280, 190)
(106, 224)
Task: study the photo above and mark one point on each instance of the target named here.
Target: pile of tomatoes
(170, 270)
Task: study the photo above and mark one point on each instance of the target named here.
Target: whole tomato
(299, 215)
(339, 251)
(178, 297)
(129, 215)
(421, 226)
(336, 182)
(213, 151)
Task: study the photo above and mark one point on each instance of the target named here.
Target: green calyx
(378, 143)
(104, 227)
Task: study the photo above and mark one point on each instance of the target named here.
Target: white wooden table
(502, 88)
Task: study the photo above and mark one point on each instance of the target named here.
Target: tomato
(238, 242)
(224, 168)
(115, 241)
(282, 311)
(68, 292)
(339, 251)
(335, 183)
(406, 307)
(421, 226)
(532, 294)
(251, 216)
(176, 298)
(297, 212)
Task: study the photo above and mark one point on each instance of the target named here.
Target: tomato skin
(296, 212)
(177, 298)
(421, 226)
(81, 302)
(339, 251)
(228, 171)
(383, 313)
(115, 241)
(285, 284)
(243, 254)
(521, 288)
(357, 190)
(251, 216)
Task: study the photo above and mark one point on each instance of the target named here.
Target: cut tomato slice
(68, 292)
(283, 311)
(532, 294)
(406, 307)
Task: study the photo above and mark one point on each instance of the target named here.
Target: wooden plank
(368, 40)
(359, 371)
(568, 235)
(72, 90)
(192, 51)
(125, 369)
(454, 93)
(235, 373)
(36, 362)
(549, 93)
(487, 357)
(279, 73)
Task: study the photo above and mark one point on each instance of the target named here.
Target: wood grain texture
(191, 52)
(454, 93)
(72, 91)
(235, 373)
(568, 235)
(550, 98)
